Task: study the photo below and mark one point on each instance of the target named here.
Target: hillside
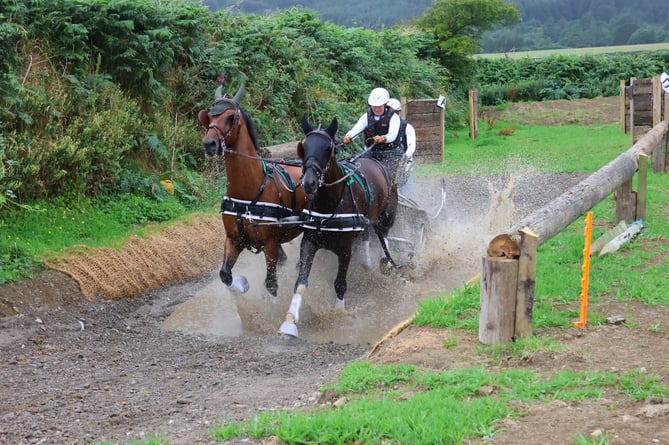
(546, 24)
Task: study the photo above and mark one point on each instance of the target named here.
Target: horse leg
(272, 257)
(386, 262)
(282, 256)
(308, 250)
(238, 283)
(340, 284)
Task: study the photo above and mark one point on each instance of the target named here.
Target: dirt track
(79, 371)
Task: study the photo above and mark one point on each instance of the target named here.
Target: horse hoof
(385, 266)
(339, 304)
(239, 285)
(288, 329)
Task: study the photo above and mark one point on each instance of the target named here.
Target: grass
(48, 228)
(405, 404)
(576, 51)
(531, 149)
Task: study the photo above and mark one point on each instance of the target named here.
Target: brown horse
(262, 195)
(347, 199)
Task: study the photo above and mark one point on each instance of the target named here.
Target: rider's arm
(411, 141)
(393, 129)
(359, 127)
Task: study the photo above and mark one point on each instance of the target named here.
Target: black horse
(347, 199)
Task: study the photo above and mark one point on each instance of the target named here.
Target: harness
(260, 210)
(254, 210)
(338, 221)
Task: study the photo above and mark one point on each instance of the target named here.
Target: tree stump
(499, 283)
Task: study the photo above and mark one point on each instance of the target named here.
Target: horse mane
(251, 126)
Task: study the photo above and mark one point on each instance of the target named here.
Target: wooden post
(641, 188)
(665, 148)
(625, 202)
(623, 107)
(499, 280)
(631, 108)
(473, 114)
(659, 156)
(657, 99)
(527, 268)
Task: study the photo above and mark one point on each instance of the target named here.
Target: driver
(380, 125)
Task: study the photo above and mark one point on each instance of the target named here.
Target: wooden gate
(643, 105)
(428, 120)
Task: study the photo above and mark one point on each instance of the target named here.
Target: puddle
(475, 210)
(211, 312)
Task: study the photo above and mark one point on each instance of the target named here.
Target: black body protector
(402, 175)
(390, 154)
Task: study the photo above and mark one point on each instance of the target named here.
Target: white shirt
(393, 127)
(411, 140)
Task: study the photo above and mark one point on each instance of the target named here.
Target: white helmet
(395, 104)
(378, 97)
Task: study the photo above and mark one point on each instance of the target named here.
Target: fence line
(507, 284)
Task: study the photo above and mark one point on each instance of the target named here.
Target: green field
(576, 51)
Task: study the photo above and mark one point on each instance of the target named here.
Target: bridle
(221, 135)
(320, 170)
(312, 163)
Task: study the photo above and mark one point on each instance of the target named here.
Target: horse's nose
(309, 183)
(210, 146)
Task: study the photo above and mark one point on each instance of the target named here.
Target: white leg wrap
(289, 327)
(365, 260)
(239, 284)
(339, 304)
(295, 304)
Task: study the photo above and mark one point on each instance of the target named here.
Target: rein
(348, 175)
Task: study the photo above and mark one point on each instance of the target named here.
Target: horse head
(317, 152)
(222, 122)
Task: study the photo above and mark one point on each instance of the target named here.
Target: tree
(458, 26)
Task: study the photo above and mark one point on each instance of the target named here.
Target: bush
(564, 77)
(77, 146)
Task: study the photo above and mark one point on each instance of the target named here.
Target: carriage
(414, 224)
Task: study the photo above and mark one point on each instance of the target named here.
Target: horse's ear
(239, 95)
(300, 150)
(203, 117)
(306, 126)
(332, 128)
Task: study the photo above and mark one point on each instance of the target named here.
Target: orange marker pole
(586, 272)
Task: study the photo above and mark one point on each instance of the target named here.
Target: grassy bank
(47, 229)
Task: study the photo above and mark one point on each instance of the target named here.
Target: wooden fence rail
(558, 214)
(507, 287)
